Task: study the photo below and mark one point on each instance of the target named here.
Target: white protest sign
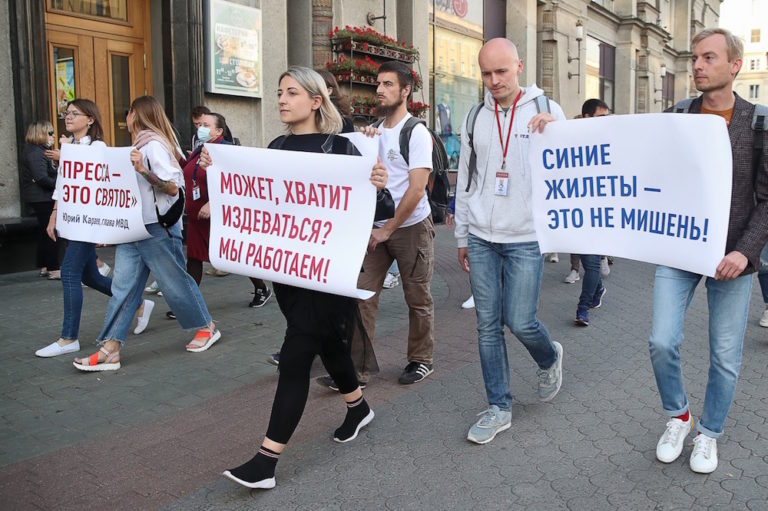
(368, 146)
(649, 187)
(296, 218)
(98, 196)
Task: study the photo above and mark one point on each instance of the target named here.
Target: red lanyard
(498, 123)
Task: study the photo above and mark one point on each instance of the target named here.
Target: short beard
(386, 111)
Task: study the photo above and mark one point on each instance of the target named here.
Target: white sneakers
(143, 319)
(391, 280)
(704, 456)
(764, 319)
(104, 269)
(469, 303)
(55, 349)
(671, 442)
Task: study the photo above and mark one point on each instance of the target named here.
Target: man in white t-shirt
(408, 236)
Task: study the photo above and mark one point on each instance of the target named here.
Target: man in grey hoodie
(494, 229)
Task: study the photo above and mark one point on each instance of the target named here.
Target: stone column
(322, 24)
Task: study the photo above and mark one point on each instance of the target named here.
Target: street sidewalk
(158, 433)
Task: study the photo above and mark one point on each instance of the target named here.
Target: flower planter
(347, 45)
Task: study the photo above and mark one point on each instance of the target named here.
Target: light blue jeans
(162, 254)
(728, 306)
(506, 280)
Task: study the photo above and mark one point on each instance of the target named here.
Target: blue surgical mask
(203, 134)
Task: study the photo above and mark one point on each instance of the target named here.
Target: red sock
(684, 417)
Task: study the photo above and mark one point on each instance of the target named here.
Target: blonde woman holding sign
(155, 159)
(318, 323)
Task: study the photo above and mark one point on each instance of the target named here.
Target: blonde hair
(37, 133)
(327, 117)
(735, 48)
(149, 115)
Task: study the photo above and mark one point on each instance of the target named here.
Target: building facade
(748, 19)
(633, 54)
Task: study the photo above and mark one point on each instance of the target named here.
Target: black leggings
(314, 321)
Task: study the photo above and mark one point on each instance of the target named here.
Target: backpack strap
(759, 125)
(682, 106)
(278, 142)
(759, 118)
(405, 137)
(328, 144)
(471, 119)
(542, 104)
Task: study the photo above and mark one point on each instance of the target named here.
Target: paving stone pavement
(157, 433)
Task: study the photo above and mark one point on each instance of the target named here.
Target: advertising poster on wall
(232, 49)
(65, 84)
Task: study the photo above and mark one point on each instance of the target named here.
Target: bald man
(494, 229)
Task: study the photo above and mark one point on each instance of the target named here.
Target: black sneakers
(260, 297)
(414, 372)
(327, 381)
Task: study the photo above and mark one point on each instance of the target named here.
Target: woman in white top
(83, 121)
(155, 159)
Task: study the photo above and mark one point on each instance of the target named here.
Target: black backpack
(438, 186)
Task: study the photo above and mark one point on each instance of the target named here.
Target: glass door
(125, 80)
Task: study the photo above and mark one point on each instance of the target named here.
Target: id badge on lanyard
(195, 188)
(502, 183)
(502, 176)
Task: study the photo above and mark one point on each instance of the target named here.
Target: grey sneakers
(551, 379)
(492, 422)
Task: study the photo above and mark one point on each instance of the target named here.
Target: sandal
(203, 340)
(111, 361)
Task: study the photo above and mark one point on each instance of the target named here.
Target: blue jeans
(162, 254)
(728, 302)
(591, 281)
(762, 274)
(506, 280)
(79, 267)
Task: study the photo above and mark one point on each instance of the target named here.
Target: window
(667, 91)
(755, 38)
(754, 64)
(110, 9)
(455, 38)
(754, 92)
(600, 71)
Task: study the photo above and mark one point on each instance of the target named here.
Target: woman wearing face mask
(212, 130)
(155, 159)
(38, 181)
(317, 322)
